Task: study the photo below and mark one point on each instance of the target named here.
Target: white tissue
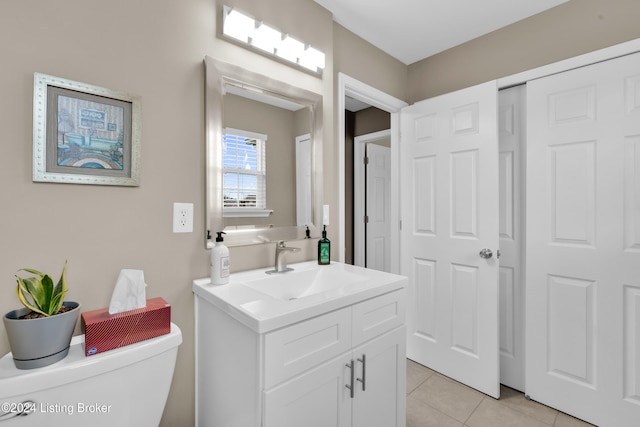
(129, 292)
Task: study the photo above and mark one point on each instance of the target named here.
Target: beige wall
(155, 49)
(358, 59)
(371, 120)
(571, 29)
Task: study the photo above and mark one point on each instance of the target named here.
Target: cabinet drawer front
(296, 348)
(378, 315)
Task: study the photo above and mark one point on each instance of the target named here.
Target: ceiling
(411, 30)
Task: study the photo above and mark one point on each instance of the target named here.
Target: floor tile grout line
(499, 401)
(438, 410)
(431, 373)
(418, 386)
(474, 410)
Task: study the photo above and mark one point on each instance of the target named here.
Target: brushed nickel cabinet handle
(352, 373)
(364, 371)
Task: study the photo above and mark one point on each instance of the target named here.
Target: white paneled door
(449, 181)
(583, 242)
(511, 121)
(378, 224)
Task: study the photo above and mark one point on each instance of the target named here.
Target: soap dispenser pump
(324, 248)
(219, 261)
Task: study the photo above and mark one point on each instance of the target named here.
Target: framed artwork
(84, 134)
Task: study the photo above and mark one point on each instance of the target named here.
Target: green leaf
(32, 271)
(47, 290)
(39, 294)
(60, 291)
(21, 291)
(32, 287)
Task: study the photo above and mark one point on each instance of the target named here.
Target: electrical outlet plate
(183, 217)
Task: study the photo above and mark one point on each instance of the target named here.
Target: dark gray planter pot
(40, 342)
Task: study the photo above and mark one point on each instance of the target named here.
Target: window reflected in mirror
(244, 173)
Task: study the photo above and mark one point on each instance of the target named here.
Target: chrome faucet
(281, 259)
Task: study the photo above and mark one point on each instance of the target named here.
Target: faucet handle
(281, 244)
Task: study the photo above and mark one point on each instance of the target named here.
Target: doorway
(371, 204)
(352, 89)
(364, 125)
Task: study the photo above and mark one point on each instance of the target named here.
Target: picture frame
(85, 134)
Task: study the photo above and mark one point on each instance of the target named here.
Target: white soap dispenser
(219, 261)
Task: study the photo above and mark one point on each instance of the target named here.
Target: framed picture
(85, 134)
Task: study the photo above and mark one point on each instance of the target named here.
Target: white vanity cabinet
(319, 397)
(344, 367)
(362, 380)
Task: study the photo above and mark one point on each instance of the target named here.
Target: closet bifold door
(583, 242)
(512, 134)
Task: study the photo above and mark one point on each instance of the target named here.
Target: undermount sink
(295, 285)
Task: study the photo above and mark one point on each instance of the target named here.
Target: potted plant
(40, 333)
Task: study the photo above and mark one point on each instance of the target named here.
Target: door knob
(486, 253)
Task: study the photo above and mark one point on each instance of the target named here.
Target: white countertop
(263, 313)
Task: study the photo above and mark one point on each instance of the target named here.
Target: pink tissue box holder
(104, 331)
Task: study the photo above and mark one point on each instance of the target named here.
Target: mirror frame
(217, 74)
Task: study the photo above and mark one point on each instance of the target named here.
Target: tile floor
(434, 400)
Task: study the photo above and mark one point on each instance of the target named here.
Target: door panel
(464, 286)
(583, 272)
(511, 127)
(315, 399)
(571, 353)
(632, 339)
(464, 194)
(449, 181)
(378, 235)
(632, 194)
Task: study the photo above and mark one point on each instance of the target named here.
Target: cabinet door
(380, 391)
(317, 398)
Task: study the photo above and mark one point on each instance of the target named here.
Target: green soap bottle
(324, 248)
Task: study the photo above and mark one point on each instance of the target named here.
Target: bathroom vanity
(318, 346)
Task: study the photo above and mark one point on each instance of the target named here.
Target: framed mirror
(263, 157)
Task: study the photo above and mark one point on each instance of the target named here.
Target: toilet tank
(127, 386)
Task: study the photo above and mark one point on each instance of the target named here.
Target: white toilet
(127, 386)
